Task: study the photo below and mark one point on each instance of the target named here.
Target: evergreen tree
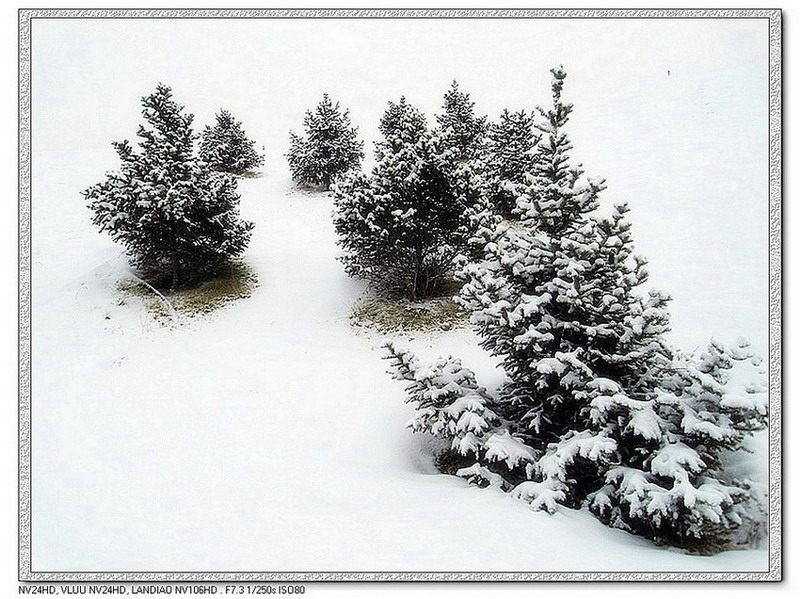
(462, 137)
(554, 200)
(671, 479)
(401, 125)
(226, 147)
(403, 226)
(459, 128)
(330, 148)
(510, 159)
(598, 409)
(177, 218)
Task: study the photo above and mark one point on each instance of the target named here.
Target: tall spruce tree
(226, 148)
(510, 159)
(598, 409)
(402, 226)
(329, 149)
(177, 218)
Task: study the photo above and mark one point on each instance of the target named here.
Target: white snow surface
(264, 437)
(267, 436)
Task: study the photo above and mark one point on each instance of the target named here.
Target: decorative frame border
(775, 293)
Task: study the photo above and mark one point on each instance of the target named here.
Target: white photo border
(774, 17)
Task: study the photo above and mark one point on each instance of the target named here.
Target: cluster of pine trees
(403, 225)
(433, 195)
(598, 409)
(177, 213)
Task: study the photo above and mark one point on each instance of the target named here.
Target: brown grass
(237, 283)
(250, 174)
(392, 315)
(517, 225)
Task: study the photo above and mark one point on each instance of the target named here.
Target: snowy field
(267, 436)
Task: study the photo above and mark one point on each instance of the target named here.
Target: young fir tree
(400, 125)
(403, 226)
(462, 137)
(598, 409)
(226, 148)
(675, 480)
(330, 148)
(459, 128)
(510, 159)
(177, 218)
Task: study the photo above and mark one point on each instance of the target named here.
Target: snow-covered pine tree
(556, 310)
(598, 408)
(459, 128)
(550, 271)
(177, 218)
(462, 137)
(676, 480)
(401, 124)
(510, 159)
(402, 226)
(226, 148)
(329, 149)
(462, 145)
(451, 406)
(553, 199)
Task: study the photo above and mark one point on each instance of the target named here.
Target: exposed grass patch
(250, 174)
(517, 225)
(237, 283)
(392, 315)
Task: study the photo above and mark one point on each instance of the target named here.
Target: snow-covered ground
(267, 436)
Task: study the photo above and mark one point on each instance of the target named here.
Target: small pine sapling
(225, 146)
(510, 159)
(329, 149)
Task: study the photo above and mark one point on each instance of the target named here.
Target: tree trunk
(175, 259)
(175, 271)
(417, 271)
